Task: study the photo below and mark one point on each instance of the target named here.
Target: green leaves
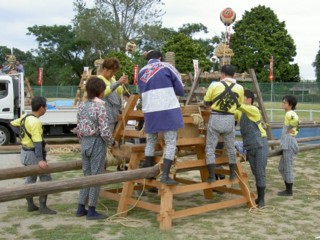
(259, 35)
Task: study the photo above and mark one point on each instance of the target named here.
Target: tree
(154, 37)
(112, 23)
(61, 53)
(259, 35)
(195, 28)
(186, 49)
(316, 65)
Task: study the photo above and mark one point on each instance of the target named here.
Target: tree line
(104, 30)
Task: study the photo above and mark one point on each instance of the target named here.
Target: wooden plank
(189, 164)
(142, 204)
(178, 189)
(208, 207)
(131, 103)
(190, 141)
(166, 207)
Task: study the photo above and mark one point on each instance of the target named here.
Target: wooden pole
(17, 172)
(308, 147)
(260, 102)
(44, 188)
(299, 140)
(194, 87)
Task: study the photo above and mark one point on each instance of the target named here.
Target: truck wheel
(4, 136)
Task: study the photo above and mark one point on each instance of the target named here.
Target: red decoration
(271, 68)
(135, 74)
(40, 75)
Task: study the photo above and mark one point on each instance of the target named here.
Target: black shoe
(260, 204)
(233, 175)
(82, 211)
(212, 176)
(149, 162)
(260, 200)
(168, 181)
(97, 216)
(288, 191)
(43, 206)
(285, 193)
(31, 206)
(165, 179)
(46, 210)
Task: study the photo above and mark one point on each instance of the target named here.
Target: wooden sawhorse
(165, 209)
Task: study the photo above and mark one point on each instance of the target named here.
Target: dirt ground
(294, 217)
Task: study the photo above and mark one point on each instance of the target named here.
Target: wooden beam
(44, 188)
(260, 102)
(299, 140)
(194, 87)
(308, 147)
(17, 172)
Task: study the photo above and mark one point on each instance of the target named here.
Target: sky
(300, 19)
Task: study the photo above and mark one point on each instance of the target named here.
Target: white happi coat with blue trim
(159, 85)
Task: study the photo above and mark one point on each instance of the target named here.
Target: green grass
(293, 217)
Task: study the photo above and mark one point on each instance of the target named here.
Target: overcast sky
(301, 20)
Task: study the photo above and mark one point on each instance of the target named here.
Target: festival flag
(135, 74)
(40, 76)
(271, 69)
(195, 67)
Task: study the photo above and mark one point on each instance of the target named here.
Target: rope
(266, 210)
(198, 120)
(127, 222)
(134, 223)
(59, 150)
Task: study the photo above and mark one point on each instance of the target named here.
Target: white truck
(56, 122)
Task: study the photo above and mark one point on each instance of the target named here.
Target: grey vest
(250, 133)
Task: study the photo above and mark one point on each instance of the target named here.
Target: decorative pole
(271, 75)
(227, 17)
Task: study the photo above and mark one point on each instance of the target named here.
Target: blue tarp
(62, 103)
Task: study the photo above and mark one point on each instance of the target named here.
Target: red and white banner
(135, 74)
(271, 69)
(40, 76)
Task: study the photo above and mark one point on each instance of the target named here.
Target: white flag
(195, 67)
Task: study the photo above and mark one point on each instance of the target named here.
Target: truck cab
(11, 104)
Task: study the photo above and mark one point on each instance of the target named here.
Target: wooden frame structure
(165, 210)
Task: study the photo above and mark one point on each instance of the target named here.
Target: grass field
(291, 218)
